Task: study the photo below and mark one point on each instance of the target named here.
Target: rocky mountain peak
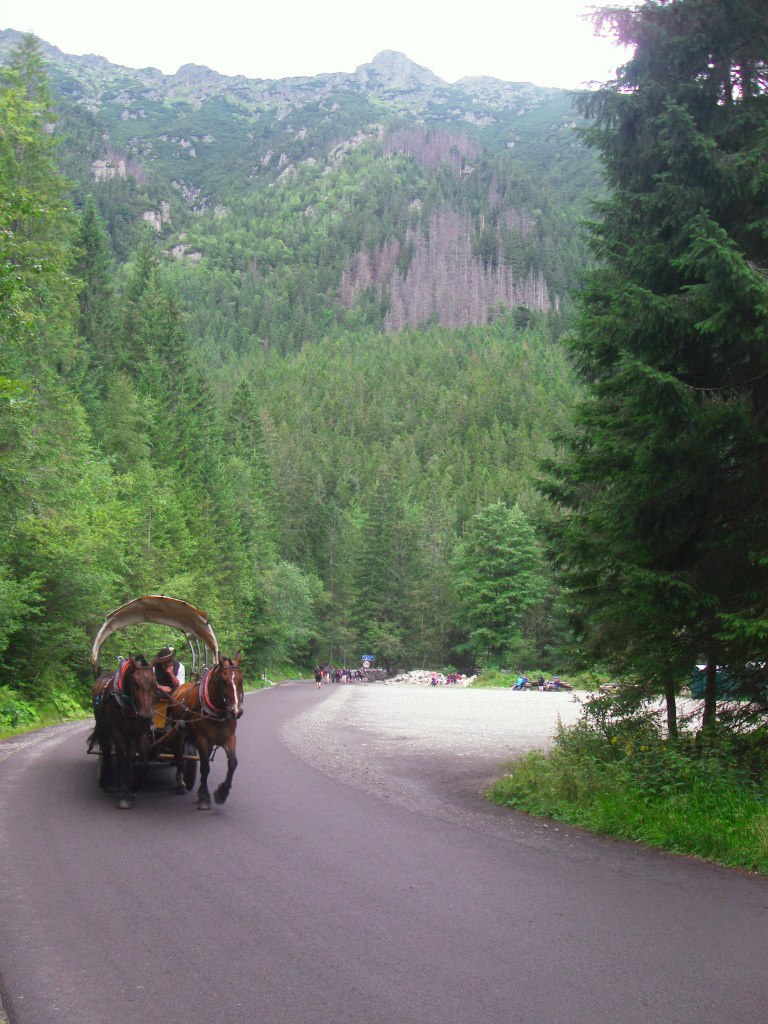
(392, 70)
(194, 73)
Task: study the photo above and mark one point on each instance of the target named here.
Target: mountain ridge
(404, 199)
(389, 71)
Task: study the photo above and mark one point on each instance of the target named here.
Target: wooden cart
(193, 623)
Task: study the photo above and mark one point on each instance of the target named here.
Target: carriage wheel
(189, 771)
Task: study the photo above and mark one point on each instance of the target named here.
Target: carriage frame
(161, 610)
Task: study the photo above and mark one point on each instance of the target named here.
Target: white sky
(546, 42)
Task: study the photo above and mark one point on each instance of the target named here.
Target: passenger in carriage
(169, 671)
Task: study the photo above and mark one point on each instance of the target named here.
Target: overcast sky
(546, 42)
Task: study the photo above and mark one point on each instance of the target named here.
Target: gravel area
(427, 747)
(502, 723)
(30, 739)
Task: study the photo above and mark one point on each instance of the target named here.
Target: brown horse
(123, 702)
(210, 709)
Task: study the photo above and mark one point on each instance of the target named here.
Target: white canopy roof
(163, 611)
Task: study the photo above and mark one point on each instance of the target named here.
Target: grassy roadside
(495, 678)
(18, 716)
(708, 800)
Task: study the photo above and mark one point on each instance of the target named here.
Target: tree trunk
(670, 698)
(710, 695)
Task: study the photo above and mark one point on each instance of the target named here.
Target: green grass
(493, 677)
(18, 716)
(673, 796)
(277, 674)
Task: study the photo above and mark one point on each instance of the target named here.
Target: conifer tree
(497, 575)
(664, 492)
(95, 268)
(133, 349)
(376, 615)
(36, 290)
(62, 535)
(244, 434)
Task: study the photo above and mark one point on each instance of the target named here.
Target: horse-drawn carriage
(137, 724)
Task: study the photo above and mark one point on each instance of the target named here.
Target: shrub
(66, 707)
(699, 795)
(494, 677)
(15, 713)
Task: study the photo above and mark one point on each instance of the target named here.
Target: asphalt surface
(313, 897)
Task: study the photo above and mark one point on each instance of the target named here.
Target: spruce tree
(36, 291)
(378, 575)
(498, 580)
(137, 312)
(663, 489)
(95, 268)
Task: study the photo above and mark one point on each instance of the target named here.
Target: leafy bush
(15, 713)
(494, 677)
(66, 707)
(699, 795)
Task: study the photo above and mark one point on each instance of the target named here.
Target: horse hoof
(180, 789)
(124, 805)
(220, 797)
(204, 805)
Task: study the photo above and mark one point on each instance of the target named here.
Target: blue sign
(367, 657)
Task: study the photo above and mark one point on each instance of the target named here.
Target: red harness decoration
(204, 698)
(119, 675)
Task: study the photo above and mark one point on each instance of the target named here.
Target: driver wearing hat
(169, 671)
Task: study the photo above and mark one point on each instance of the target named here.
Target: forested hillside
(270, 347)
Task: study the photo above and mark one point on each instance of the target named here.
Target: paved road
(308, 901)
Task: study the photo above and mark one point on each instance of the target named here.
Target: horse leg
(106, 768)
(138, 768)
(203, 796)
(123, 751)
(179, 785)
(222, 792)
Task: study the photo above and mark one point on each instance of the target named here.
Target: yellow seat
(161, 714)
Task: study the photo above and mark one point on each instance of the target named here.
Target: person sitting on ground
(169, 671)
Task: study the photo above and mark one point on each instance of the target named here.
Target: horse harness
(207, 708)
(117, 688)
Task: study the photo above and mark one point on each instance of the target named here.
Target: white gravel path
(387, 740)
(500, 723)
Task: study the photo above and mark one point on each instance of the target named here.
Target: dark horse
(210, 709)
(123, 702)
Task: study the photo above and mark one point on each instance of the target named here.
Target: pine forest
(467, 376)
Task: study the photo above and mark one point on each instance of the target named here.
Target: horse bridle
(122, 692)
(208, 708)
